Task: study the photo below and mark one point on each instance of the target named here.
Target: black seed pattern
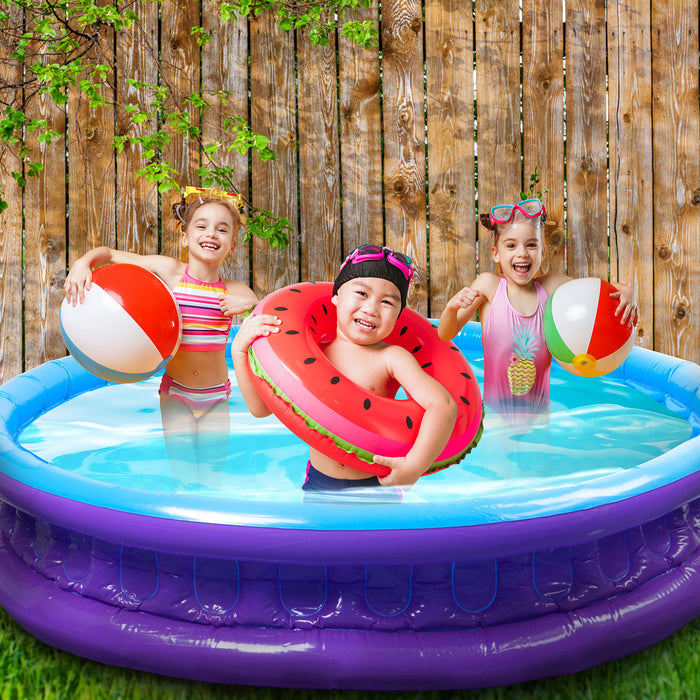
(292, 332)
(335, 380)
(367, 404)
(309, 360)
(426, 365)
(325, 310)
(403, 330)
(409, 422)
(418, 348)
(281, 308)
(465, 375)
(313, 318)
(465, 400)
(293, 289)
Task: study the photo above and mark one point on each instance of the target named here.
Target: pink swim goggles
(369, 251)
(504, 213)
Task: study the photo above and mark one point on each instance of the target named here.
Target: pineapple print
(522, 371)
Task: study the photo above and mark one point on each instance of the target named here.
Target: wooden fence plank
(91, 164)
(45, 232)
(676, 178)
(497, 42)
(319, 166)
(629, 136)
(360, 140)
(10, 225)
(543, 118)
(225, 68)
(404, 138)
(137, 200)
(180, 57)
(586, 139)
(450, 99)
(273, 114)
(379, 180)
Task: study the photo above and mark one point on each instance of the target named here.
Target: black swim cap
(371, 260)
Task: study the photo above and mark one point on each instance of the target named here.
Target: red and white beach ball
(127, 328)
(581, 329)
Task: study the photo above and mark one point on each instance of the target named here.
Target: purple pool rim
(384, 610)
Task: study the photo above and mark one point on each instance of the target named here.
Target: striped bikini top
(204, 325)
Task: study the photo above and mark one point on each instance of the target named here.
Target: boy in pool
(369, 292)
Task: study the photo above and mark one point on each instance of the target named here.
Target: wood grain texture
(404, 139)
(91, 167)
(586, 139)
(360, 141)
(137, 200)
(225, 68)
(273, 114)
(181, 74)
(319, 159)
(497, 43)
(45, 241)
(630, 148)
(450, 104)
(11, 340)
(543, 118)
(396, 162)
(676, 179)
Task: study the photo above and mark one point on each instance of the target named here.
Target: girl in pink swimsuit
(516, 359)
(195, 387)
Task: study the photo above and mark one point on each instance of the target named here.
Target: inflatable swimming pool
(485, 574)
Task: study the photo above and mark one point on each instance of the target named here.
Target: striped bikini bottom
(199, 401)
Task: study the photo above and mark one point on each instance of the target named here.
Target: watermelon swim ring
(337, 416)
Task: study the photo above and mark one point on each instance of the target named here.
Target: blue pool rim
(206, 526)
(118, 627)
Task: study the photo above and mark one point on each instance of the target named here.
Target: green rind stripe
(555, 342)
(364, 455)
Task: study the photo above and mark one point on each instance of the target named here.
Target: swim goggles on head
(369, 251)
(503, 213)
(192, 195)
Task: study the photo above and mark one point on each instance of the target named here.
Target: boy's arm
(463, 305)
(252, 327)
(436, 425)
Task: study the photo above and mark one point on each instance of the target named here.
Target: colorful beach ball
(581, 329)
(127, 328)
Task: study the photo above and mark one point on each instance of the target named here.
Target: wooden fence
(404, 144)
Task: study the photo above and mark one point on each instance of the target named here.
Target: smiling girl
(195, 387)
(516, 359)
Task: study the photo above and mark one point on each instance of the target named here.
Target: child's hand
(227, 305)
(464, 298)
(78, 281)
(403, 473)
(627, 306)
(253, 327)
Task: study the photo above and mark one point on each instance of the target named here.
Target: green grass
(30, 669)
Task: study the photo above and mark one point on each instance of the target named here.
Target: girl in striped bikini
(195, 387)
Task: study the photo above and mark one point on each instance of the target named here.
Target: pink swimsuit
(205, 327)
(516, 358)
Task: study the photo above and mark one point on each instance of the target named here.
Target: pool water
(596, 428)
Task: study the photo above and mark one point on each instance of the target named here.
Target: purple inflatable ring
(450, 606)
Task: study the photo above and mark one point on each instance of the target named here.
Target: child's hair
(195, 197)
(370, 260)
